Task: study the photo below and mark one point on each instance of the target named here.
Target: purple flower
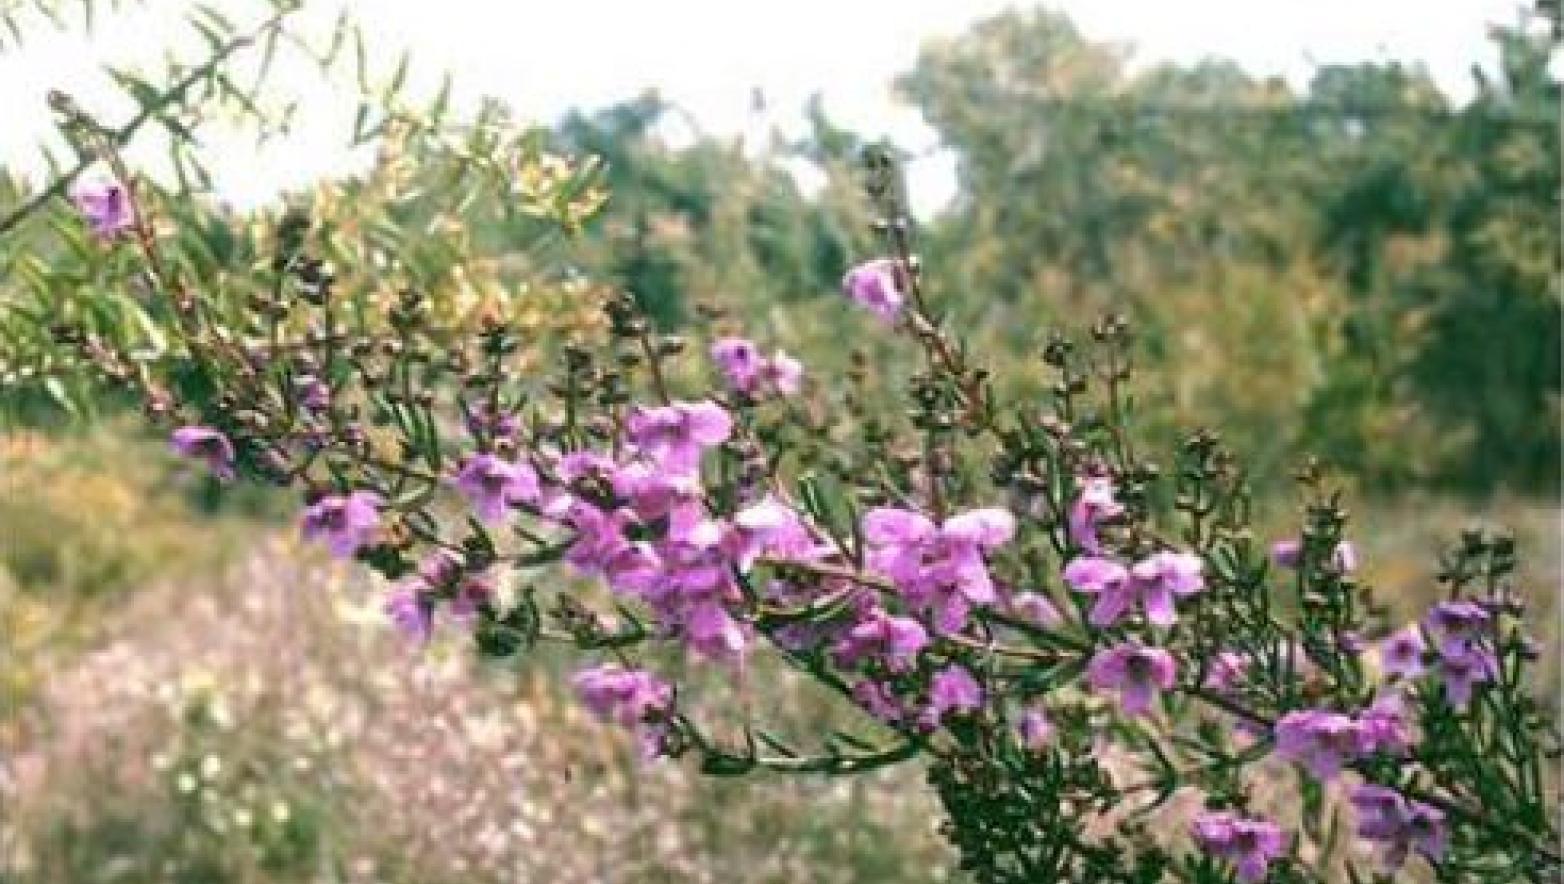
(1463, 671)
(411, 612)
(1136, 673)
(1153, 582)
(106, 208)
(1457, 626)
(1322, 742)
(208, 445)
(491, 485)
(938, 568)
(1385, 725)
(1034, 730)
(781, 374)
(345, 521)
(953, 689)
(1385, 817)
(1249, 844)
(875, 285)
(876, 698)
(632, 698)
(769, 527)
(896, 640)
(1225, 670)
(749, 372)
(312, 393)
(1095, 503)
(739, 360)
(1401, 653)
(674, 436)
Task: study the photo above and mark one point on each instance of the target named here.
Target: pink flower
(953, 689)
(1463, 671)
(1249, 844)
(105, 207)
(632, 698)
(1457, 625)
(1402, 652)
(1035, 608)
(411, 612)
(1136, 673)
(1034, 730)
(896, 640)
(876, 698)
(875, 285)
(1153, 583)
(1095, 503)
(771, 528)
(739, 360)
(1226, 668)
(1323, 742)
(674, 436)
(492, 485)
(208, 445)
(1385, 725)
(345, 521)
(749, 372)
(1384, 816)
(938, 568)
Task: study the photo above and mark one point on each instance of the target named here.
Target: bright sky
(709, 56)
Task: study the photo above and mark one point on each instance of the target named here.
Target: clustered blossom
(1466, 658)
(492, 485)
(1387, 818)
(1322, 742)
(346, 522)
(952, 690)
(631, 698)
(441, 576)
(750, 372)
(938, 569)
(876, 286)
(1136, 673)
(1096, 503)
(1249, 844)
(106, 208)
(207, 445)
(1152, 583)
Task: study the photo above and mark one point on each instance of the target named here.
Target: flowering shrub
(1011, 591)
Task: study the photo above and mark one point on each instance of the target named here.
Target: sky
(711, 57)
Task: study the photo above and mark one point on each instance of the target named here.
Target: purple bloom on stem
(953, 689)
(876, 698)
(739, 360)
(1249, 844)
(1457, 626)
(674, 436)
(345, 521)
(1095, 503)
(1461, 672)
(782, 374)
(411, 612)
(875, 285)
(938, 568)
(772, 528)
(1153, 582)
(1034, 730)
(1385, 725)
(208, 445)
(105, 207)
(1385, 817)
(1401, 653)
(895, 639)
(1322, 742)
(632, 698)
(491, 485)
(1225, 670)
(1135, 672)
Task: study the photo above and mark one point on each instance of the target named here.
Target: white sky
(546, 56)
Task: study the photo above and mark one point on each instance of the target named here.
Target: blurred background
(1334, 225)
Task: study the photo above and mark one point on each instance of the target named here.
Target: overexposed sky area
(711, 57)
